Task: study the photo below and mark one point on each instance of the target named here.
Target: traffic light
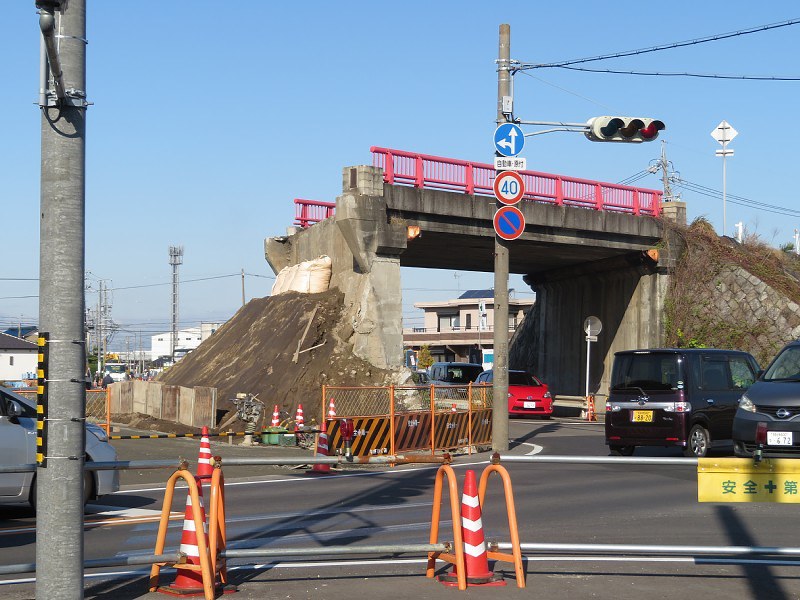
(623, 129)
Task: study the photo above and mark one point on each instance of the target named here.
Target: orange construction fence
(393, 419)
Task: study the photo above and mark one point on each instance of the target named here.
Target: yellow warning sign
(742, 480)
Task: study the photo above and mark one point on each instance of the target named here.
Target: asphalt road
(579, 504)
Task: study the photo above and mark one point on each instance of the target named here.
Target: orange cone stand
(299, 420)
(475, 558)
(276, 417)
(332, 410)
(321, 450)
(190, 582)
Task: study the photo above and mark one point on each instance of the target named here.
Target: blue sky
(209, 118)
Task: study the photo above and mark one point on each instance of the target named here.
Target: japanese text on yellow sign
(742, 480)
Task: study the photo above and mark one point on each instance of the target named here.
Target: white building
(188, 339)
(18, 358)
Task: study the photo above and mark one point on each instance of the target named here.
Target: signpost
(724, 133)
(509, 223)
(592, 326)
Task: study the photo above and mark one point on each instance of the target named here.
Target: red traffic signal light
(623, 129)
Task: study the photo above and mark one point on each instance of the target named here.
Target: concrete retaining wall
(194, 407)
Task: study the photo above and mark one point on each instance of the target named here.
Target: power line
(670, 46)
(734, 199)
(697, 75)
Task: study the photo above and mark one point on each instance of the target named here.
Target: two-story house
(461, 329)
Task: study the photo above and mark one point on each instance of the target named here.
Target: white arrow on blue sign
(508, 139)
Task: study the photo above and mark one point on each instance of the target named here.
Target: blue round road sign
(509, 223)
(508, 139)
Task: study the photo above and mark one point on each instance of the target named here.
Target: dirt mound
(283, 348)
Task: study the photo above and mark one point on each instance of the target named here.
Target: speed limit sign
(509, 187)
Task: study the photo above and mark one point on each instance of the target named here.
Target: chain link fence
(377, 401)
(96, 405)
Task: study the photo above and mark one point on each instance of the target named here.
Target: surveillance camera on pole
(623, 129)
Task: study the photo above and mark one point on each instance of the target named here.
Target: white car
(18, 447)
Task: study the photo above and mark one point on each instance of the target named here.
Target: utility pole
(500, 367)
(59, 475)
(243, 302)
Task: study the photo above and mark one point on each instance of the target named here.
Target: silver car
(18, 447)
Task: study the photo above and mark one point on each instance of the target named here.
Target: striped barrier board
(371, 436)
(412, 431)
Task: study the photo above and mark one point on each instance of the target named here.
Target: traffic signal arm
(623, 129)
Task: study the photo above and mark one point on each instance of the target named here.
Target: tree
(424, 357)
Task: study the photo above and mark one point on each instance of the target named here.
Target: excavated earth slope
(255, 352)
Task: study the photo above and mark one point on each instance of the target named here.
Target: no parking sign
(509, 223)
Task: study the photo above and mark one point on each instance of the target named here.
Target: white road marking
(536, 448)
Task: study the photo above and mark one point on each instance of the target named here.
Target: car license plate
(529, 404)
(642, 416)
(779, 438)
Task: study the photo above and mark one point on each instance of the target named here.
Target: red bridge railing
(436, 172)
(308, 212)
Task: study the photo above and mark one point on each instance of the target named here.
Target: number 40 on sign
(509, 187)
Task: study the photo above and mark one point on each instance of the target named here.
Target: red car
(527, 396)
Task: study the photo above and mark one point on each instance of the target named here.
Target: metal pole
(59, 484)
(243, 301)
(588, 348)
(724, 190)
(500, 367)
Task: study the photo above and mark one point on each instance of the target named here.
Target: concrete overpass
(579, 262)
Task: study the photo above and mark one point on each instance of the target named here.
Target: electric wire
(670, 46)
(696, 75)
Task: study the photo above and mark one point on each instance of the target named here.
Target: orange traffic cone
(276, 417)
(299, 421)
(454, 409)
(204, 468)
(321, 450)
(332, 410)
(476, 561)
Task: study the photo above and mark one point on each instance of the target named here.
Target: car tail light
(678, 407)
(761, 434)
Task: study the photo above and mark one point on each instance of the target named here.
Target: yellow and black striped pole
(41, 400)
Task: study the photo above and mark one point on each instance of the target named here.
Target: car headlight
(97, 432)
(746, 404)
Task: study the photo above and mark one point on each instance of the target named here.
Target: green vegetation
(424, 357)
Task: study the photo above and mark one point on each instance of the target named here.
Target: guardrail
(450, 174)
(308, 212)
(427, 171)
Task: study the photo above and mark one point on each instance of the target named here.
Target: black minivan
(685, 397)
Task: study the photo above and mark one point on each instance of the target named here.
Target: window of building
(469, 321)
(449, 322)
